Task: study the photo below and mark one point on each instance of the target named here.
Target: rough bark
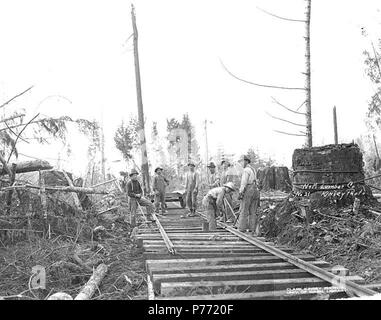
(28, 166)
(88, 290)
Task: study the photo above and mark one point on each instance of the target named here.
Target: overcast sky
(79, 50)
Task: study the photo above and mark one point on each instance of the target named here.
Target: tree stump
(274, 178)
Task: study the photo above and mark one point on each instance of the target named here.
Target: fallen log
(60, 296)
(28, 166)
(88, 290)
(59, 189)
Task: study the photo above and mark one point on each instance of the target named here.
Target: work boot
(192, 213)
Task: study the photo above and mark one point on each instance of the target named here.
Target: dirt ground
(70, 258)
(335, 235)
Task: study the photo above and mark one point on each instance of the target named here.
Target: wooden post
(43, 202)
(308, 76)
(335, 126)
(73, 194)
(143, 147)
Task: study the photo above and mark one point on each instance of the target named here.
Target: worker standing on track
(214, 202)
(249, 196)
(213, 177)
(226, 177)
(159, 186)
(135, 194)
(191, 186)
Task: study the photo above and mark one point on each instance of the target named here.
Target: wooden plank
(190, 255)
(151, 293)
(176, 288)
(167, 263)
(230, 267)
(335, 280)
(294, 273)
(267, 295)
(199, 243)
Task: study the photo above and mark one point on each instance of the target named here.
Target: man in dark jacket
(159, 186)
(135, 194)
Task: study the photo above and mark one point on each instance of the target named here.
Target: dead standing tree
(307, 102)
(143, 145)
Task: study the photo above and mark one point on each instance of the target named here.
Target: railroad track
(185, 262)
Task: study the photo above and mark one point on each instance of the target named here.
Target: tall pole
(143, 146)
(335, 126)
(308, 76)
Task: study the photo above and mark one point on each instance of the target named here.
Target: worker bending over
(214, 202)
(135, 194)
(227, 176)
(249, 196)
(160, 184)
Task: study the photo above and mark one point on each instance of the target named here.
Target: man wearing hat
(249, 196)
(214, 202)
(159, 185)
(213, 177)
(191, 186)
(135, 194)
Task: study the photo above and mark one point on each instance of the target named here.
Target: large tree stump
(274, 178)
(332, 173)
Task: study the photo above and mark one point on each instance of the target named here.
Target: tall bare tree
(307, 133)
(143, 145)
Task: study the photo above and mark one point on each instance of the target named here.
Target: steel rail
(349, 286)
(167, 241)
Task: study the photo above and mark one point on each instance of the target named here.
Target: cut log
(28, 166)
(88, 290)
(60, 296)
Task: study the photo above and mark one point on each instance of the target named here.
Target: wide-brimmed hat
(230, 185)
(158, 168)
(123, 173)
(133, 171)
(211, 165)
(191, 164)
(225, 161)
(245, 158)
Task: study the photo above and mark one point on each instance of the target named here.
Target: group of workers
(218, 201)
